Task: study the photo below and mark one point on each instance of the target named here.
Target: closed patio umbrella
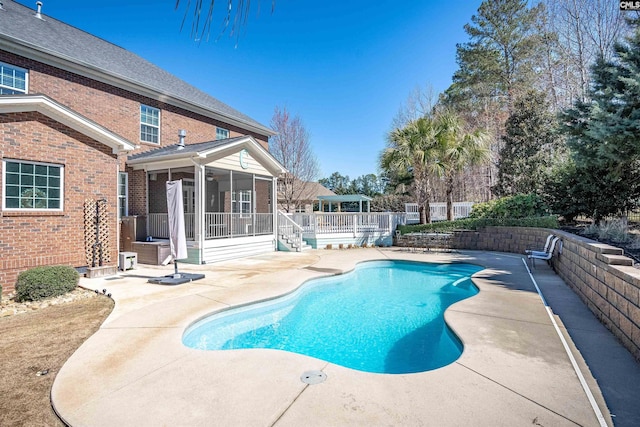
(177, 236)
(175, 210)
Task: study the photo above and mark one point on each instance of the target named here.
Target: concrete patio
(514, 370)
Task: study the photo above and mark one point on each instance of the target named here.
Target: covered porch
(228, 190)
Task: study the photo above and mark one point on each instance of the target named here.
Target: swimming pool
(382, 317)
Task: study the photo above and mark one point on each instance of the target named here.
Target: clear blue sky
(345, 67)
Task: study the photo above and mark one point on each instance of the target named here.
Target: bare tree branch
(292, 148)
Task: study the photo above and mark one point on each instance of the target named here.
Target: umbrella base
(176, 279)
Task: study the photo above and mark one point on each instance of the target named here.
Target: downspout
(118, 218)
(146, 202)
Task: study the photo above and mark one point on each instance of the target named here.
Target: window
(32, 186)
(13, 80)
(123, 194)
(222, 133)
(149, 124)
(241, 202)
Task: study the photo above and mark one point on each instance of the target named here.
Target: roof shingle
(18, 25)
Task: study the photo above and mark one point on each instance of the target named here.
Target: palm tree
(457, 149)
(413, 148)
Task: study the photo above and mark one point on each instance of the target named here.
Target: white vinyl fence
(438, 211)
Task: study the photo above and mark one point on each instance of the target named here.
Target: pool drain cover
(313, 377)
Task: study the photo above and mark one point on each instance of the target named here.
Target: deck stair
(290, 235)
(289, 244)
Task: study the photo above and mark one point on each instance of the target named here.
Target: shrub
(518, 206)
(44, 282)
(616, 230)
(475, 223)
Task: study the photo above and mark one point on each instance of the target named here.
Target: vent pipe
(181, 134)
(38, 10)
(1, 8)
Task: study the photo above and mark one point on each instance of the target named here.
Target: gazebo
(345, 198)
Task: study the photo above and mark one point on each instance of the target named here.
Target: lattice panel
(90, 231)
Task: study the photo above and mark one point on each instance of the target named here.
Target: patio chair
(545, 255)
(546, 245)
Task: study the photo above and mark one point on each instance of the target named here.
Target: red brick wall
(33, 239)
(119, 111)
(27, 240)
(137, 192)
(262, 196)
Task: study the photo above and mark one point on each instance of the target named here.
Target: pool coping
(135, 370)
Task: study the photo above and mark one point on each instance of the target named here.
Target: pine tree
(531, 146)
(500, 57)
(604, 134)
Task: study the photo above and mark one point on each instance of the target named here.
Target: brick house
(88, 129)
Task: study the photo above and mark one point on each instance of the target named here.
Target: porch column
(274, 207)
(199, 232)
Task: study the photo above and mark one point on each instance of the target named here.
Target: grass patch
(42, 339)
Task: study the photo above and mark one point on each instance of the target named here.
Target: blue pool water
(383, 317)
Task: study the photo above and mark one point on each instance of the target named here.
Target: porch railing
(159, 225)
(221, 225)
(339, 223)
(216, 225)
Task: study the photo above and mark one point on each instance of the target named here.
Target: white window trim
(4, 187)
(26, 76)
(147, 124)
(222, 129)
(238, 203)
(126, 194)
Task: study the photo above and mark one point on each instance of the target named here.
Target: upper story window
(13, 80)
(32, 186)
(149, 124)
(222, 133)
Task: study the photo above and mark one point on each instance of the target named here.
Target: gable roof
(48, 107)
(53, 42)
(205, 152)
(309, 191)
(315, 190)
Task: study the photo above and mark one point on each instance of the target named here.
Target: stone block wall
(606, 280)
